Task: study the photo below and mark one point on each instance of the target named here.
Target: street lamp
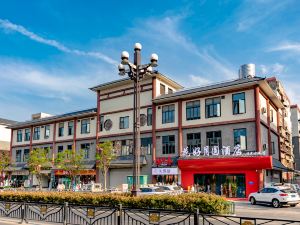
(136, 72)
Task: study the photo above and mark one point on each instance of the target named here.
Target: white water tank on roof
(247, 71)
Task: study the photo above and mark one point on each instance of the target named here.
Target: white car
(152, 191)
(172, 189)
(276, 196)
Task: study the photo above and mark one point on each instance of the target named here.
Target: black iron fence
(91, 215)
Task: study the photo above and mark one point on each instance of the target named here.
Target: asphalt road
(265, 211)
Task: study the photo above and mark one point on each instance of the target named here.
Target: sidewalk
(9, 221)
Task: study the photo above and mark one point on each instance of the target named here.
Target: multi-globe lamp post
(136, 72)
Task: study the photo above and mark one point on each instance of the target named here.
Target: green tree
(38, 160)
(104, 157)
(4, 163)
(71, 162)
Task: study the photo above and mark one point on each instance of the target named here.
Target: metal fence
(91, 215)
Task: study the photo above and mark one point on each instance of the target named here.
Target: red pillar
(257, 119)
(153, 120)
(269, 127)
(179, 127)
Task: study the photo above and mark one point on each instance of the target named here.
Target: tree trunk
(105, 173)
(39, 178)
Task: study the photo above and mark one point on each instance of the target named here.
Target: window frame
(246, 138)
(61, 127)
(85, 127)
(18, 156)
(27, 134)
(214, 136)
(192, 109)
(86, 150)
(19, 135)
(168, 114)
(168, 147)
(149, 116)
(122, 122)
(162, 86)
(194, 140)
(25, 159)
(70, 128)
(45, 132)
(238, 103)
(214, 105)
(37, 133)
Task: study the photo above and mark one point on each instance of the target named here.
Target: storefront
(231, 176)
(165, 170)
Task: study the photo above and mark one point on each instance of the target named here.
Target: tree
(37, 161)
(4, 163)
(71, 162)
(104, 157)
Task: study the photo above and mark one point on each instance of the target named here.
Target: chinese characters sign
(164, 171)
(216, 151)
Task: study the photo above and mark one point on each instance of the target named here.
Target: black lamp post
(136, 71)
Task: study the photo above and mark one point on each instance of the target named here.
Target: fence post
(65, 212)
(23, 214)
(196, 217)
(119, 215)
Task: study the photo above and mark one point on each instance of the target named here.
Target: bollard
(66, 205)
(196, 217)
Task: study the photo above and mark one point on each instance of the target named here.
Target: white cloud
(286, 46)
(167, 30)
(199, 80)
(9, 26)
(254, 12)
(29, 78)
(272, 69)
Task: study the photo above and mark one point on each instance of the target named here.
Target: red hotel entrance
(231, 177)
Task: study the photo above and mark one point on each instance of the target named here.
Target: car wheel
(294, 205)
(253, 201)
(275, 203)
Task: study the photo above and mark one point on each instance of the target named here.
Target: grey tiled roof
(7, 122)
(53, 118)
(209, 87)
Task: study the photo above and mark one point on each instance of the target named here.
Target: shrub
(206, 203)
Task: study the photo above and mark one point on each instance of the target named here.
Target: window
(18, 155)
(19, 136)
(213, 107)
(273, 147)
(61, 129)
(168, 144)
(60, 149)
(86, 149)
(47, 132)
(146, 144)
(27, 134)
(193, 141)
(70, 127)
(170, 91)
(162, 89)
(101, 123)
(70, 147)
(126, 147)
(214, 138)
(26, 155)
(85, 126)
(238, 103)
(124, 122)
(168, 113)
(193, 110)
(271, 115)
(240, 138)
(149, 116)
(37, 133)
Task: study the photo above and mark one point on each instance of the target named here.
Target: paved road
(265, 211)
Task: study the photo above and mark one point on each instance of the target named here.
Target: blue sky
(51, 52)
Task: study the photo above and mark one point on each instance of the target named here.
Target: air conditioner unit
(263, 110)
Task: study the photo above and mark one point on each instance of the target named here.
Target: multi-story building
(72, 131)
(5, 134)
(295, 112)
(285, 129)
(223, 138)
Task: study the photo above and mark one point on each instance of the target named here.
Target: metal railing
(93, 215)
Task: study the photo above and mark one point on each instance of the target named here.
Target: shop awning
(226, 163)
(277, 165)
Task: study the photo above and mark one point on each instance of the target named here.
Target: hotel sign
(216, 151)
(165, 171)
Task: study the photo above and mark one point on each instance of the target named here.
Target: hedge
(206, 203)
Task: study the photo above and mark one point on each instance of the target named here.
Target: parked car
(152, 191)
(172, 189)
(276, 196)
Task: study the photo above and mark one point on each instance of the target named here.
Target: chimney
(247, 71)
